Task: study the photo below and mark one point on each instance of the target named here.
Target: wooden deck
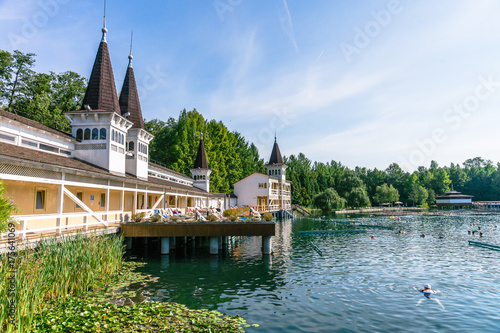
(198, 229)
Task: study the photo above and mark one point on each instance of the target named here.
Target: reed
(55, 269)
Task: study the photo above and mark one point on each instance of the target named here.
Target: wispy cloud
(287, 25)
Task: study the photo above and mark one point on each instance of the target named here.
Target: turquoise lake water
(358, 285)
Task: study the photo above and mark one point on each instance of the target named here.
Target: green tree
(418, 195)
(386, 194)
(329, 200)
(358, 197)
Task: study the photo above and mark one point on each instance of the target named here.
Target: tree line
(45, 97)
(334, 186)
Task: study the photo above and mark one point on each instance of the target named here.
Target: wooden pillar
(60, 207)
(266, 245)
(122, 204)
(214, 245)
(128, 243)
(165, 245)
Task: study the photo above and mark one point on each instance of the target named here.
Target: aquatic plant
(84, 315)
(55, 270)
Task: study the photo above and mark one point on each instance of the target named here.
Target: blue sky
(366, 83)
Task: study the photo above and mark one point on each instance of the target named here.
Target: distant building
(454, 200)
(269, 191)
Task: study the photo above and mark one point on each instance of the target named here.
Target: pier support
(172, 243)
(214, 245)
(220, 242)
(128, 243)
(165, 245)
(224, 240)
(266, 245)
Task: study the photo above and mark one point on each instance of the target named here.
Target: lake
(357, 285)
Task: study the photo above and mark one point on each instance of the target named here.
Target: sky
(365, 83)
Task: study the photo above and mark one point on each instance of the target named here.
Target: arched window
(95, 134)
(102, 134)
(145, 150)
(123, 139)
(86, 134)
(131, 146)
(79, 134)
(113, 135)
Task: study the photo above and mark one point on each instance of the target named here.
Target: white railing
(24, 229)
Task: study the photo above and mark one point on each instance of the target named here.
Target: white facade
(101, 138)
(264, 192)
(137, 150)
(24, 135)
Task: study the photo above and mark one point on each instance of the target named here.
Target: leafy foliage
(6, 208)
(229, 155)
(38, 96)
(329, 200)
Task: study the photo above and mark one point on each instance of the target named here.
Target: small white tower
(276, 167)
(200, 171)
(99, 126)
(137, 142)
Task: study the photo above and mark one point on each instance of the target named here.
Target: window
(40, 199)
(49, 148)
(131, 146)
(7, 137)
(103, 200)
(79, 195)
(262, 185)
(102, 135)
(95, 134)
(86, 134)
(113, 135)
(123, 139)
(29, 143)
(79, 134)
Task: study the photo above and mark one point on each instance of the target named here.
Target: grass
(55, 270)
(64, 284)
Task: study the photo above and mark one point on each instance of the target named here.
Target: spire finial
(201, 135)
(452, 187)
(275, 135)
(130, 56)
(104, 30)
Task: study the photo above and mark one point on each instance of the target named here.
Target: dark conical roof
(101, 91)
(129, 99)
(201, 157)
(276, 154)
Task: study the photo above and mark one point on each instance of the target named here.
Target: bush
(233, 218)
(155, 218)
(6, 209)
(212, 218)
(137, 217)
(174, 218)
(268, 217)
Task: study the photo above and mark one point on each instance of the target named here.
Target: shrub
(137, 217)
(6, 208)
(233, 218)
(174, 218)
(212, 218)
(155, 218)
(268, 217)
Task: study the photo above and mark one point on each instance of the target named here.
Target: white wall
(247, 190)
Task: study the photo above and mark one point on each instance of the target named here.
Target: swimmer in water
(428, 292)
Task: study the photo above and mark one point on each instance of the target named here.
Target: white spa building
(100, 174)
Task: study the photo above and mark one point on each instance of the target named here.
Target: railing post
(86, 222)
(23, 236)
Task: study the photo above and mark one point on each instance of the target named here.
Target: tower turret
(200, 171)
